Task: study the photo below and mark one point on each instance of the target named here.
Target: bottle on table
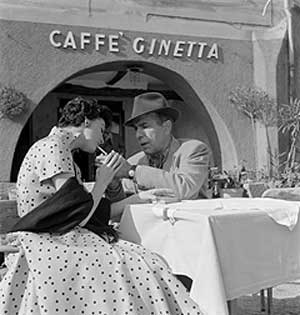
(216, 190)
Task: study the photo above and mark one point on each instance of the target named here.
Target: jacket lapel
(175, 144)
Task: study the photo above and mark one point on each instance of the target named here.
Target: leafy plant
(12, 102)
(289, 122)
(255, 103)
(258, 106)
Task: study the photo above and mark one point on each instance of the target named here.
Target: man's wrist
(131, 172)
(131, 176)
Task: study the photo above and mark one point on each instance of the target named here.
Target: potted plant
(261, 109)
(289, 122)
(12, 102)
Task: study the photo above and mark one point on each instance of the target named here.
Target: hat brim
(168, 111)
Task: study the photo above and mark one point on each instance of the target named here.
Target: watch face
(131, 173)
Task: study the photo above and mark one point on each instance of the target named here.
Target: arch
(222, 145)
(179, 84)
(220, 140)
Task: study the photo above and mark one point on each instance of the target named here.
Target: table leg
(232, 307)
(269, 301)
(262, 301)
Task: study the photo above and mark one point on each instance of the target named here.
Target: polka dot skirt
(80, 273)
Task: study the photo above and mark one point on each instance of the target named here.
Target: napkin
(163, 211)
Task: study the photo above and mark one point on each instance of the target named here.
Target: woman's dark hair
(79, 108)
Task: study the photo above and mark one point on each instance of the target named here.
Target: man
(164, 162)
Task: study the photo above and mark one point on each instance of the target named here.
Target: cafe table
(227, 250)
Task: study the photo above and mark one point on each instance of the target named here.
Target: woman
(78, 272)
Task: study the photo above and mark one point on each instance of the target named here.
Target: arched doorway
(123, 80)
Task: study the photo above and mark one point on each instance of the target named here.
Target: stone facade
(42, 47)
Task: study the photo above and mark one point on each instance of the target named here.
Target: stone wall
(30, 63)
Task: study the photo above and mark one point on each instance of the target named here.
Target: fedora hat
(151, 102)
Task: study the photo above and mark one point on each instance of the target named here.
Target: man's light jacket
(185, 170)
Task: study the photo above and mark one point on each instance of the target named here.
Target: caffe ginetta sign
(140, 45)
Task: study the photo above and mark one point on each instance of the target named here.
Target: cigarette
(105, 153)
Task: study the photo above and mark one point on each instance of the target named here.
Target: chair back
(5, 189)
(8, 215)
(232, 192)
(8, 208)
(256, 189)
(290, 194)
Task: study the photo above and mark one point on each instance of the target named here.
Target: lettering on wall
(139, 45)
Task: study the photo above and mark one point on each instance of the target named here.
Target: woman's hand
(165, 195)
(99, 159)
(112, 157)
(108, 167)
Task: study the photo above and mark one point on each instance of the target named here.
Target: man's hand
(165, 195)
(123, 171)
(124, 165)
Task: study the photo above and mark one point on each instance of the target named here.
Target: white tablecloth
(227, 253)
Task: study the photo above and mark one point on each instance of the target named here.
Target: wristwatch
(131, 172)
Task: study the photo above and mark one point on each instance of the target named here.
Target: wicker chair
(8, 208)
(291, 194)
(5, 188)
(8, 213)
